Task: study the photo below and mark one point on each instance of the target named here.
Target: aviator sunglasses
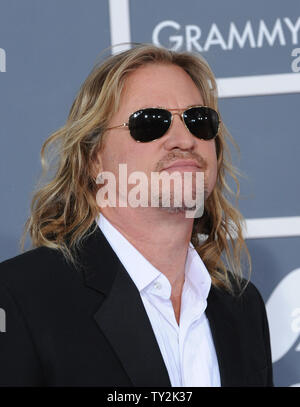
(152, 123)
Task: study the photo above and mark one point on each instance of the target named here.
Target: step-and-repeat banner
(48, 47)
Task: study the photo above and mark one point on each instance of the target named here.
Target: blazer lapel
(224, 323)
(122, 316)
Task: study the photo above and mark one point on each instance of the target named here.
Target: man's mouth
(183, 165)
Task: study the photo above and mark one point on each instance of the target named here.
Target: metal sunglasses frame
(172, 115)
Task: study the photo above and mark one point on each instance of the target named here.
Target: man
(126, 295)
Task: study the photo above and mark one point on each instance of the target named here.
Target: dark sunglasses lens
(203, 122)
(149, 124)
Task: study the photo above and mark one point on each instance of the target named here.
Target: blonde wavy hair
(64, 208)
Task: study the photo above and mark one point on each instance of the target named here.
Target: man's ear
(97, 167)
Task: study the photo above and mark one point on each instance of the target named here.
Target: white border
(288, 226)
(257, 85)
(119, 24)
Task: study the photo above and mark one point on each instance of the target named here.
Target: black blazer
(90, 328)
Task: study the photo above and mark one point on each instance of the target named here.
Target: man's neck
(161, 237)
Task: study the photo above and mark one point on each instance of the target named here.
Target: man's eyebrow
(154, 106)
(164, 107)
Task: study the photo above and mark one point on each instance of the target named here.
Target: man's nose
(178, 135)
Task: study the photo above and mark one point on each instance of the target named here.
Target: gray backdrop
(47, 48)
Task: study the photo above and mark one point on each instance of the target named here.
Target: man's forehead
(150, 72)
(165, 86)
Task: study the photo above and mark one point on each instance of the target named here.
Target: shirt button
(157, 285)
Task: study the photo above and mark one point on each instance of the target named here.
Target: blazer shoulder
(251, 294)
(249, 303)
(246, 298)
(247, 290)
(28, 266)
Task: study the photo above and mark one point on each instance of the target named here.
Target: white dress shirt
(187, 349)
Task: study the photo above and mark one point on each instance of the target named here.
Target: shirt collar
(196, 274)
(145, 275)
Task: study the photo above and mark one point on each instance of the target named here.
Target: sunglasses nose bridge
(180, 115)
